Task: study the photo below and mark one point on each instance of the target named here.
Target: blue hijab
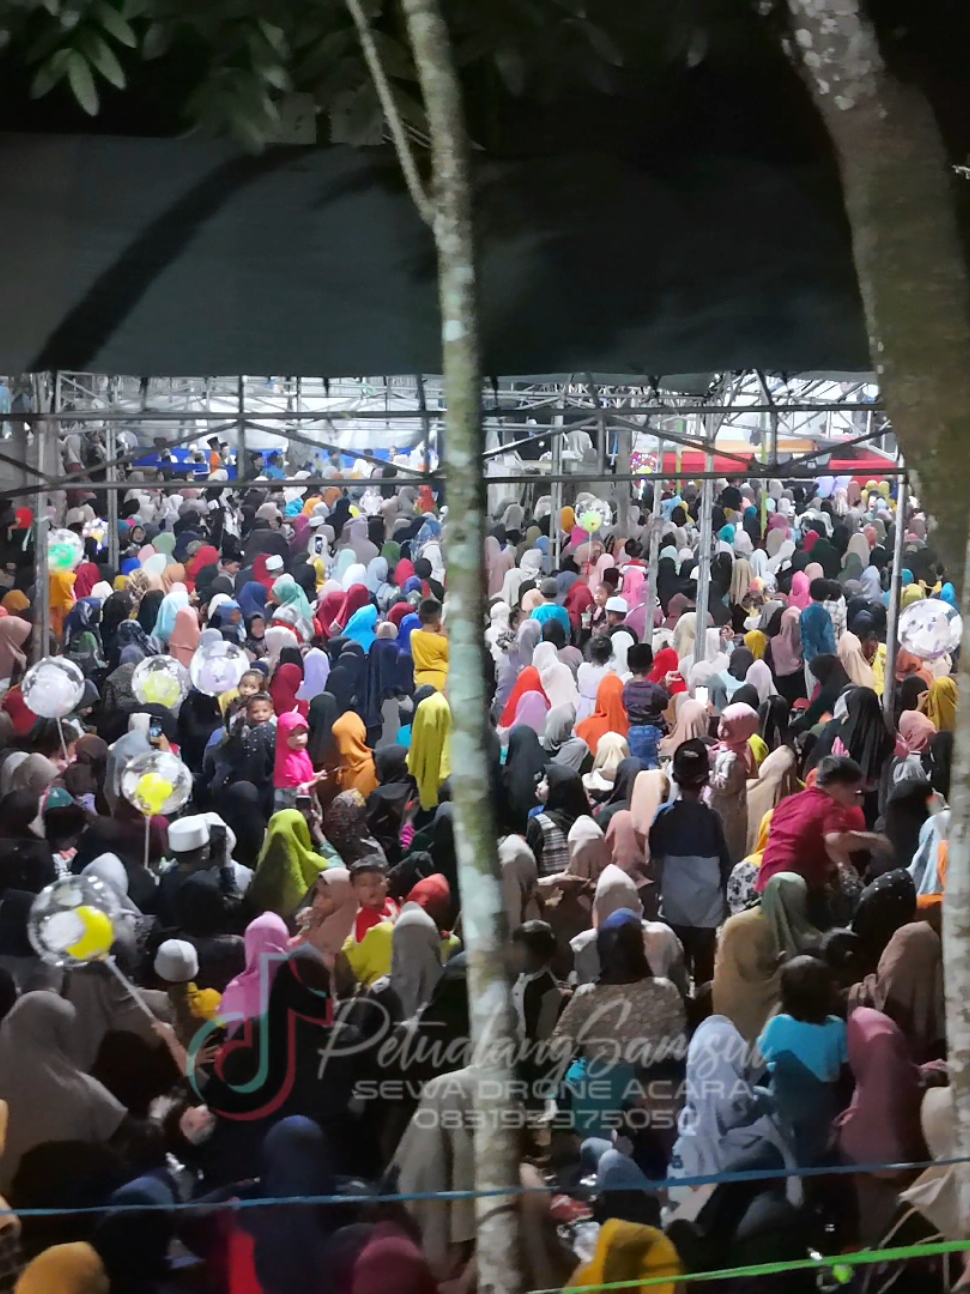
(252, 599)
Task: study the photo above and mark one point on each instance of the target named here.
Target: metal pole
(653, 559)
(111, 447)
(704, 549)
(555, 530)
(242, 455)
(624, 451)
(42, 593)
(895, 590)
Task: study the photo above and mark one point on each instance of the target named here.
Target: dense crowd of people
(723, 852)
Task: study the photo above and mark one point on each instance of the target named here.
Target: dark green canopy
(182, 256)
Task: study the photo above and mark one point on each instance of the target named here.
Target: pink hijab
(293, 767)
(738, 723)
(267, 944)
(531, 712)
(800, 596)
(632, 583)
(786, 646)
(625, 850)
(184, 638)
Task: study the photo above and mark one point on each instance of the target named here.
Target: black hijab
(324, 712)
(148, 609)
(864, 732)
(524, 768)
(566, 800)
(239, 807)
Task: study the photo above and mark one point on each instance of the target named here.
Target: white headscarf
(557, 679)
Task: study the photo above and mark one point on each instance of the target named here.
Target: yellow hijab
(64, 1269)
(941, 704)
(429, 759)
(627, 1251)
(756, 643)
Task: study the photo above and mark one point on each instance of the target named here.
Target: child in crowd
(536, 995)
(806, 1048)
(369, 945)
(690, 854)
(644, 703)
(293, 767)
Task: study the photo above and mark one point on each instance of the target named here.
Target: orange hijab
(356, 761)
(609, 715)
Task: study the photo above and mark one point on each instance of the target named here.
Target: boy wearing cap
(690, 855)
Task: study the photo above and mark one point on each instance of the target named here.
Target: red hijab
(358, 595)
(206, 556)
(260, 574)
(666, 662)
(403, 571)
(528, 681)
(283, 689)
(85, 578)
(22, 718)
(578, 599)
(329, 610)
(398, 611)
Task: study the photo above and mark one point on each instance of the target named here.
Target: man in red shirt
(814, 831)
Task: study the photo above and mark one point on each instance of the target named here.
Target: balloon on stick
(52, 689)
(160, 680)
(218, 668)
(72, 923)
(65, 550)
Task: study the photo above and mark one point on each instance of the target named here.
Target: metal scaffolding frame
(315, 414)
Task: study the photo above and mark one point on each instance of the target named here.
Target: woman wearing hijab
(415, 958)
(355, 760)
(644, 1011)
(564, 800)
(288, 864)
(907, 985)
(240, 807)
(733, 764)
(247, 996)
(882, 1123)
(941, 704)
(560, 745)
(185, 635)
(524, 769)
(885, 905)
(49, 1098)
(14, 634)
(832, 680)
(609, 715)
(726, 1118)
(62, 600)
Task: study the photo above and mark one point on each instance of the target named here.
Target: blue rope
(499, 1192)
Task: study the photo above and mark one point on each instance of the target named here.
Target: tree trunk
(483, 909)
(896, 184)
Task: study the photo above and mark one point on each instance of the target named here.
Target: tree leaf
(113, 23)
(511, 68)
(275, 36)
(157, 40)
(102, 57)
(601, 42)
(49, 73)
(52, 6)
(82, 83)
(276, 76)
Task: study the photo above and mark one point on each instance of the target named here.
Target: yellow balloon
(152, 791)
(162, 689)
(98, 934)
